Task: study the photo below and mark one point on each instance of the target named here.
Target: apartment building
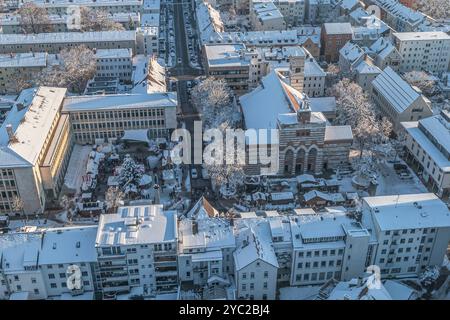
(385, 54)
(35, 146)
(333, 37)
(137, 248)
(60, 7)
(327, 246)
(256, 265)
(64, 247)
(206, 246)
(428, 150)
(317, 11)
(398, 100)
(11, 23)
(265, 16)
(412, 232)
(240, 68)
(114, 63)
(19, 268)
(141, 41)
(103, 117)
(400, 17)
(314, 78)
(428, 51)
(36, 264)
(293, 11)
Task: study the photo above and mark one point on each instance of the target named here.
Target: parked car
(194, 173)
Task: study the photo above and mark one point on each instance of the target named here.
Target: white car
(194, 173)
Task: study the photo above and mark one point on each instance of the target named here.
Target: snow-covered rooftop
(394, 89)
(367, 67)
(19, 250)
(273, 97)
(120, 101)
(351, 52)
(338, 133)
(312, 68)
(323, 104)
(67, 37)
(436, 127)
(338, 28)
(226, 55)
(113, 53)
(254, 242)
(144, 224)
(68, 245)
(408, 211)
(31, 128)
(419, 36)
(382, 47)
(401, 12)
(23, 60)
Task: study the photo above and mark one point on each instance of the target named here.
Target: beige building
(109, 116)
(398, 100)
(306, 143)
(34, 152)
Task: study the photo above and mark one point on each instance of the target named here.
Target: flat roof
(68, 245)
(408, 211)
(226, 55)
(120, 101)
(418, 36)
(131, 225)
(23, 60)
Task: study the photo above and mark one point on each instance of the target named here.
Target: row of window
(321, 253)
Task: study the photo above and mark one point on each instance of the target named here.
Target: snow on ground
(299, 293)
(15, 225)
(77, 166)
(390, 182)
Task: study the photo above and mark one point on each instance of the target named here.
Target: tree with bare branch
(97, 20)
(113, 198)
(34, 19)
(76, 67)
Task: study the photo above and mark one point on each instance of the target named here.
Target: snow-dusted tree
(438, 9)
(19, 81)
(97, 20)
(34, 19)
(130, 173)
(113, 198)
(213, 99)
(77, 66)
(354, 108)
(333, 68)
(68, 204)
(423, 81)
(429, 276)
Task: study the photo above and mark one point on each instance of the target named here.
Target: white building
(412, 232)
(114, 63)
(108, 116)
(398, 100)
(19, 268)
(314, 78)
(206, 246)
(256, 264)
(385, 54)
(428, 150)
(400, 17)
(327, 246)
(36, 263)
(35, 145)
(137, 247)
(61, 6)
(428, 51)
(265, 16)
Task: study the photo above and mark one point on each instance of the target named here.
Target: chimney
(10, 132)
